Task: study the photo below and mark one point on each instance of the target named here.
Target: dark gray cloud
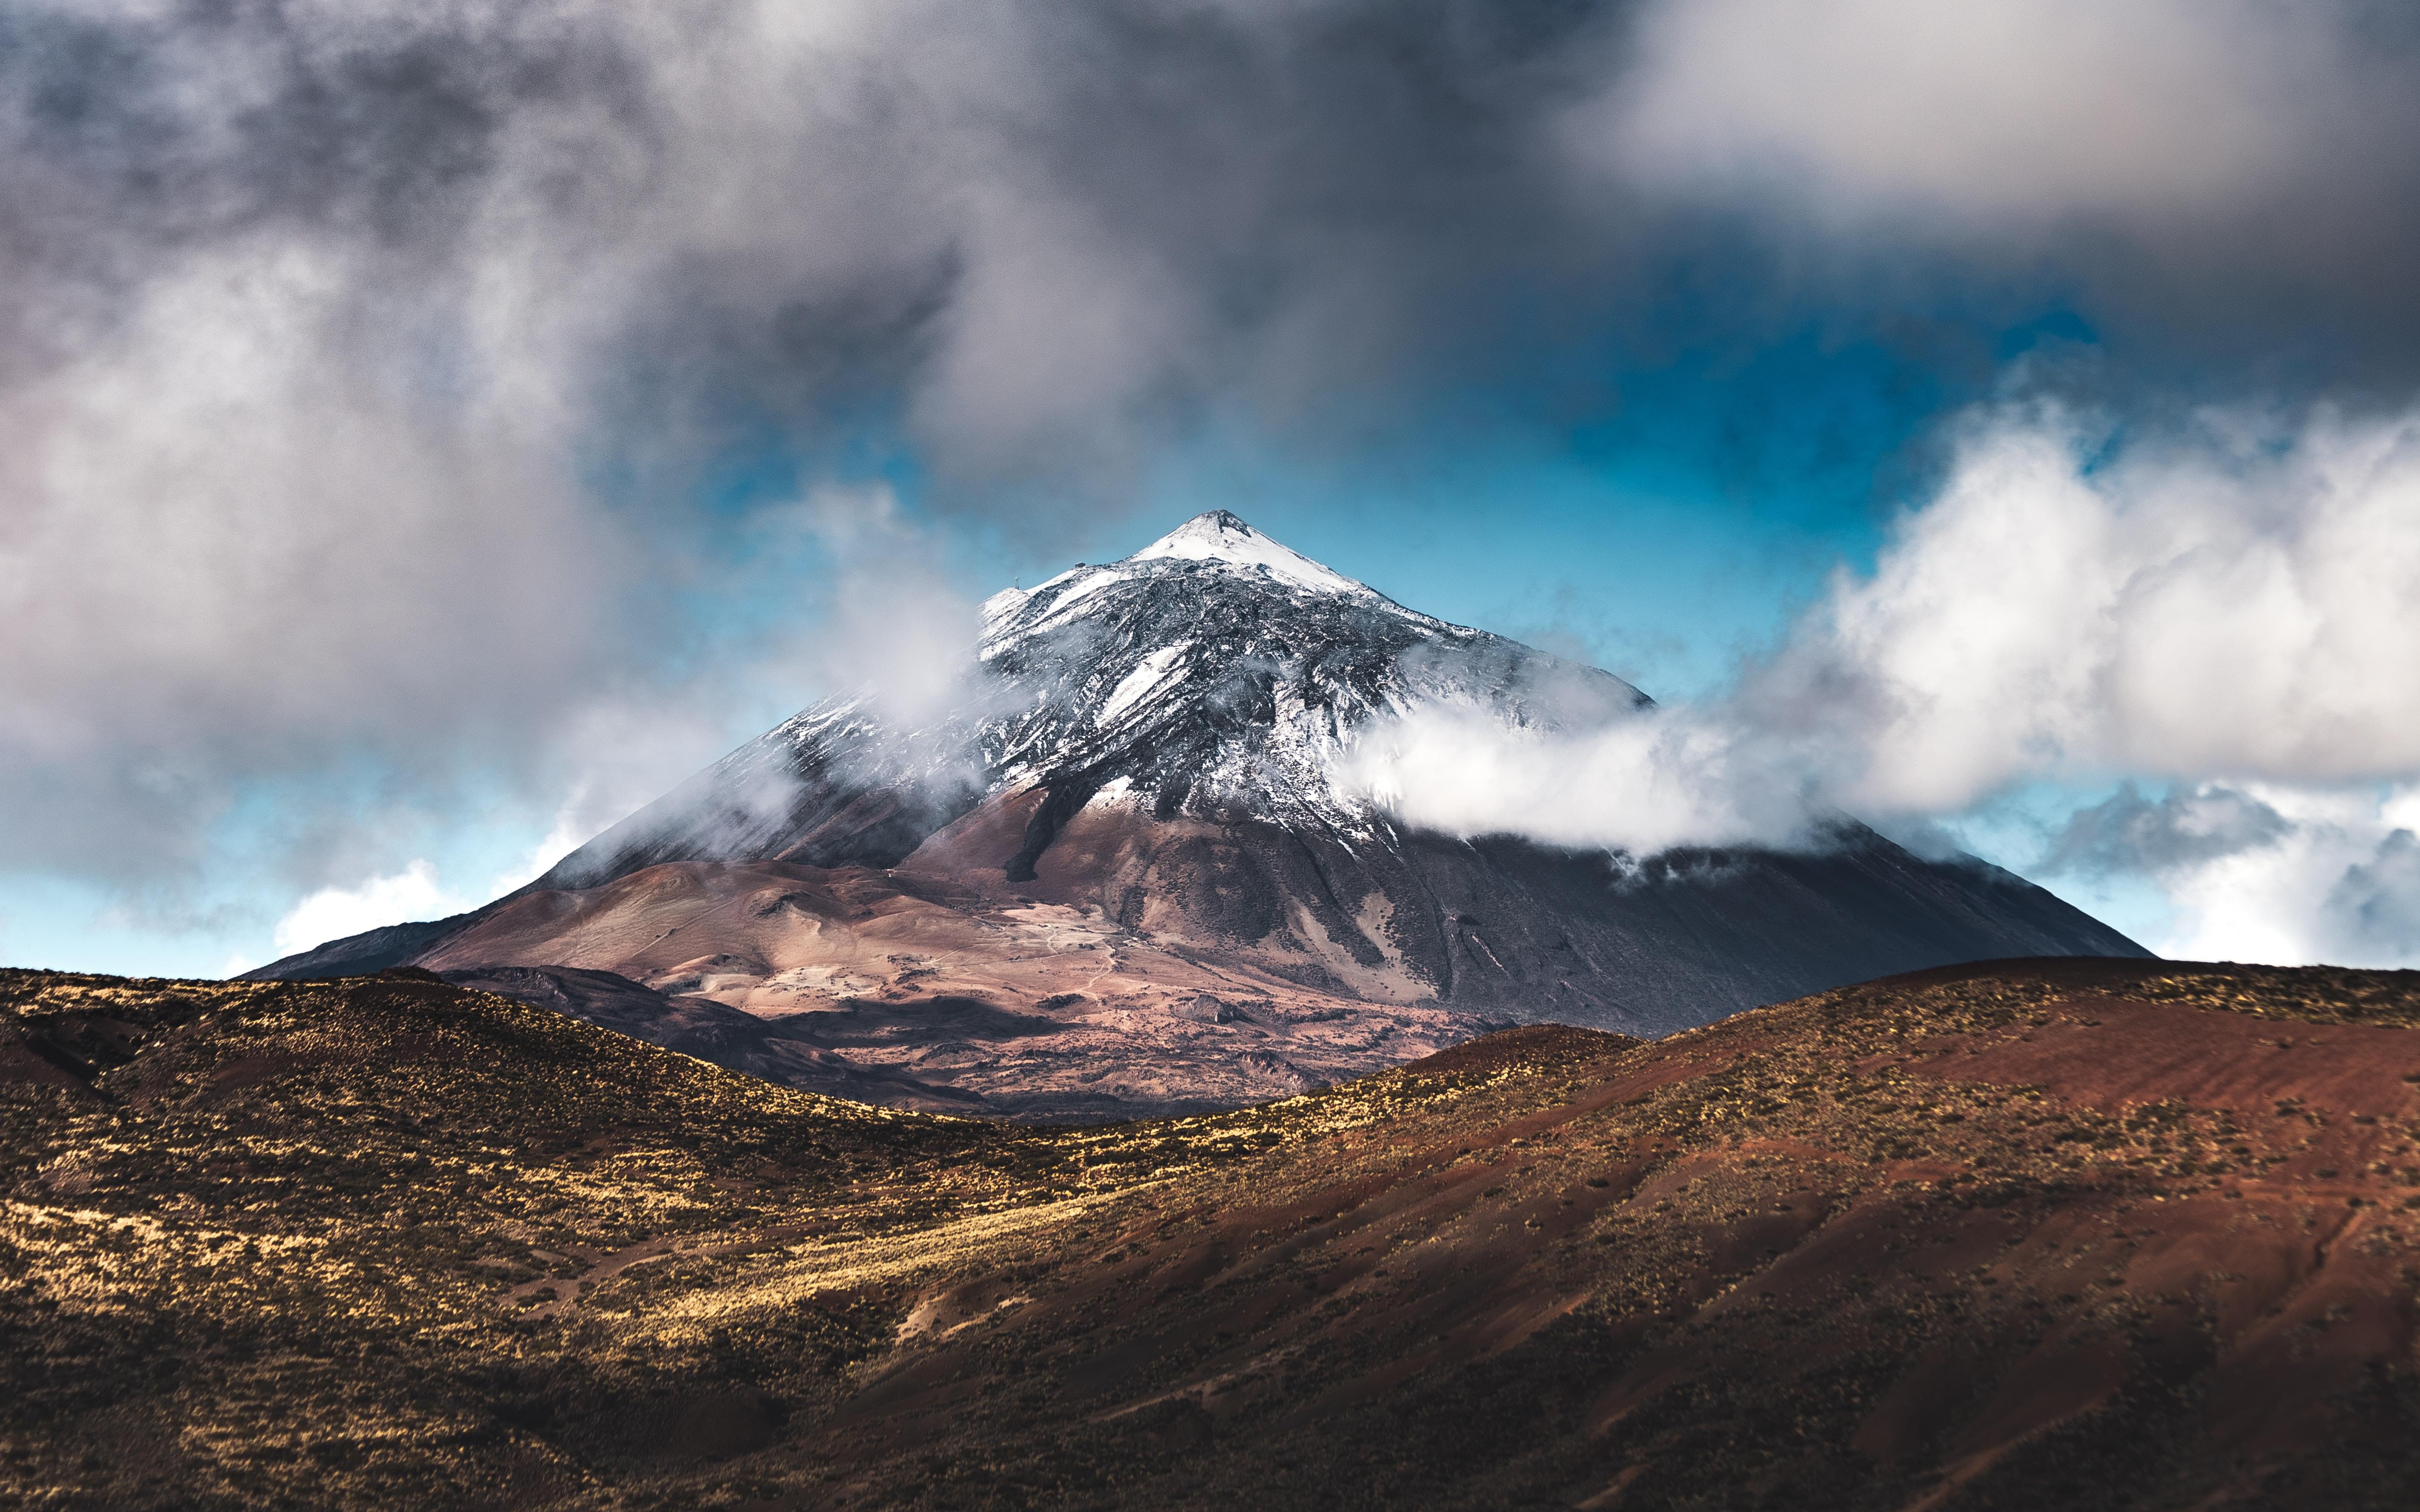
(2132, 832)
(2376, 904)
(2222, 177)
(359, 362)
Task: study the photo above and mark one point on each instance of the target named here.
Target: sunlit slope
(2078, 1234)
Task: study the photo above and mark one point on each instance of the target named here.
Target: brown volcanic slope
(925, 991)
(2074, 1234)
(1146, 967)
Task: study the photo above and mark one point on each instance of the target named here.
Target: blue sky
(2004, 414)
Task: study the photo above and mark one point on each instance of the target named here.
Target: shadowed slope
(2085, 1234)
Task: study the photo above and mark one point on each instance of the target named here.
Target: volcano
(1130, 871)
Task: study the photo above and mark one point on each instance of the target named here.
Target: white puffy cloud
(2232, 599)
(2227, 607)
(416, 891)
(332, 913)
(1638, 782)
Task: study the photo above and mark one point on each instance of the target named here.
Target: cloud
(892, 629)
(2330, 874)
(2008, 113)
(2263, 871)
(2228, 597)
(2376, 904)
(2185, 827)
(332, 913)
(2227, 604)
(2231, 598)
(365, 368)
(416, 891)
(2192, 159)
(373, 376)
(217, 560)
(1641, 781)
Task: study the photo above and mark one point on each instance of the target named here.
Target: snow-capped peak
(1220, 537)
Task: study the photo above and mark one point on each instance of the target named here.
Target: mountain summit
(1220, 537)
(1213, 675)
(1132, 869)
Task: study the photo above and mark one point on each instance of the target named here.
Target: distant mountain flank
(1138, 835)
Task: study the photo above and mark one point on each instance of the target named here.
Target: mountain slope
(1159, 749)
(2077, 1234)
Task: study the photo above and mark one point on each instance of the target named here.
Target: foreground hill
(2082, 1234)
(1133, 869)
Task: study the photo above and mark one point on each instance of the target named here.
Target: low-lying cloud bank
(2229, 605)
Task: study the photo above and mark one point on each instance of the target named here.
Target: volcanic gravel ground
(2069, 1234)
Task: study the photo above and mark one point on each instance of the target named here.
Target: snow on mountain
(1148, 675)
(1220, 537)
(1215, 670)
